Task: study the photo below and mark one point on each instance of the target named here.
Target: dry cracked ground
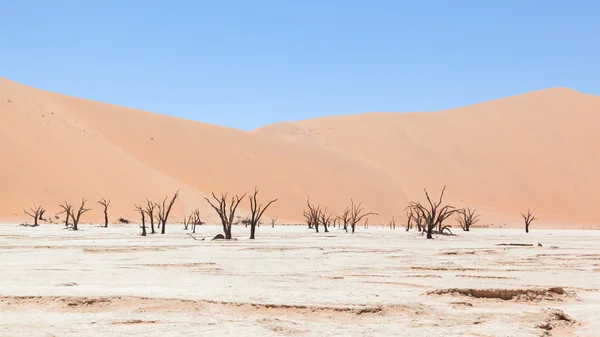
(294, 282)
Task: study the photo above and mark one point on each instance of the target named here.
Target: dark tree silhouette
(356, 214)
(344, 218)
(467, 217)
(142, 212)
(393, 223)
(105, 203)
(324, 219)
(36, 213)
(67, 208)
(528, 219)
(256, 212)
(150, 208)
(226, 218)
(77, 216)
(273, 221)
(311, 214)
(435, 214)
(164, 210)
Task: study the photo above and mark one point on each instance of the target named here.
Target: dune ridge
(534, 150)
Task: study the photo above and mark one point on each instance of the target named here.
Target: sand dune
(534, 150)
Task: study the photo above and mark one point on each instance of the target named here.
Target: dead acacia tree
(273, 221)
(256, 212)
(410, 217)
(466, 218)
(36, 213)
(324, 219)
(105, 203)
(528, 219)
(356, 214)
(344, 218)
(435, 214)
(311, 214)
(393, 223)
(226, 218)
(164, 210)
(67, 208)
(195, 220)
(142, 212)
(187, 220)
(77, 216)
(150, 207)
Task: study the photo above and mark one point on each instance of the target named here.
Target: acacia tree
(195, 220)
(528, 219)
(356, 214)
(164, 210)
(393, 223)
(410, 218)
(273, 221)
(324, 219)
(435, 214)
(67, 208)
(142, 212)
(467, 217)
(226, 218)
(311, 214)
(76, 216)
(344, 218)
(36, 213)
(256, 212)
(105, 203)
(150, 207)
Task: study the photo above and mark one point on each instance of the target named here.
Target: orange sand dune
(534, 150)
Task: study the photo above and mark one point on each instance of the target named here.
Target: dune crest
(535, 150)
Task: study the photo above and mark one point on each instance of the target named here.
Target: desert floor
(294, 282)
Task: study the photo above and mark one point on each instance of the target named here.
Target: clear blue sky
(244, 63)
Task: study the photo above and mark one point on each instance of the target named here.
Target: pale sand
(535, 150)
(294, 282)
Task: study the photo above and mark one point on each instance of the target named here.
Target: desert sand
(294, 282)
(502, 157)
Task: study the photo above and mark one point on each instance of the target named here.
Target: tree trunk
(353, 225)
(105, 219)
(67, 220)
(152, 224)
(164, 225)
(35, 221)
(526, 228)
(252, 230)
(227, 232)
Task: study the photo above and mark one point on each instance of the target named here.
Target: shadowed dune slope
(56, 148)
(537, 150)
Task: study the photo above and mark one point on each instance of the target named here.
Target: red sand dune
(536, 150)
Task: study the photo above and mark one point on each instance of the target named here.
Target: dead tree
(187, 220)
(466, 218)
(164, 210)
(344, 218)
(435, 214)
(142, 212)
(150, 207)
(356, 214)
(36, 213)
(528, 219)
(410, 217)
(273, 221)
(311, 214)
(76, 216)
(324, 219)
(226, 218)
(393, 223)
(256, 212)
(67, 208)
(105, 203)
(195, 220)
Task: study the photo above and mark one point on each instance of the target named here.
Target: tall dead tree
(187, 220)
(528, 219)
(105, 203)
(67, 208)
(164, 210)
(466, 218)
(356, 214)
(77, 216)
(256, 212)
(435, 214)
(150, 207)
(195, 220)
(142, 212)
(410, 217)
(311, 214)
(36, 213)
(226, 218)
(324, 219)
(393, 223)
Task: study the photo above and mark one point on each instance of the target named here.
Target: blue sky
(245, 64)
